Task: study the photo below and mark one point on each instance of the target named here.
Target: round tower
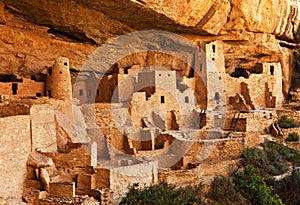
(58, 85)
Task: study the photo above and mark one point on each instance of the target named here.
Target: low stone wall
(221, 167)
(181, 177)
(150, 153)
(67, 201)
(215, 150)
(120, 177)
(255, 121)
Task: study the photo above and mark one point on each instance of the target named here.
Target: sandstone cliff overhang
(96, 21)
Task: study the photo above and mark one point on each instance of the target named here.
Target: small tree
(253, 187)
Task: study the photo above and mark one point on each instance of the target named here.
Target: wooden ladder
(234, 121)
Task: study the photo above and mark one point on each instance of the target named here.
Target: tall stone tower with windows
(215, 71)
(58, 85)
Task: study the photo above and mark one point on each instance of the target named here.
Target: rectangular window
(213, 48)
(186, 99)
(272, 70)
(126, 70)
(162, 99)
(14, 88)
(50, 71)
(98, 92)
(200, 67)
(80, 92)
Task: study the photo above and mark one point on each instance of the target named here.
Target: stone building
(93, 151)
(165, 95)
(206, 82)
(25, 87)
(255, 90)
(91, 87)
(58, 84)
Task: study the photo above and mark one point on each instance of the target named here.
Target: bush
(288, 188)
(269, 161)
(286, 153)
(286, 122)
(254, 156)
(162, 193)
(253, 187)
(222, 191)
(293, 137)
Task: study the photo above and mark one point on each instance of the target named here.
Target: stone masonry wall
(75, 158)
(27, 88)
(181, 177)
(43, 128)
(256, 84)
(121, 177)
(140, 107)
(214, 150)
(102, 178)
(15, 149)
(62, 189)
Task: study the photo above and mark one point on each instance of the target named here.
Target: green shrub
(222, 191)
(254, 156)
(253, 187)
(162, 193)
(267, 160)
(288, 188)
(286, 122)
(293, 137)
(286, 153)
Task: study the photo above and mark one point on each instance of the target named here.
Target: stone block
(62, 189)
(86, 181)
(36, 159)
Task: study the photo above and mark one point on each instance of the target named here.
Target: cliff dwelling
(140, 92)
(164, 115)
